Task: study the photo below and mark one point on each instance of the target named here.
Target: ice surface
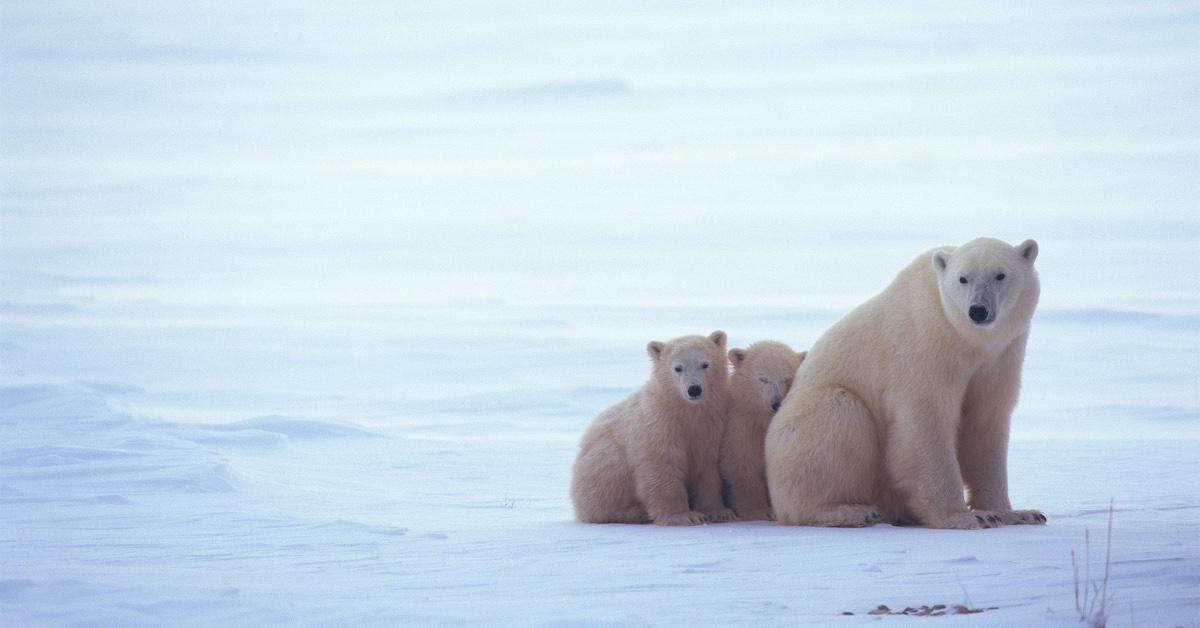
(156, 522)
(304, 310)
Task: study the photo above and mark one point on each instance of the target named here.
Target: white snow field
(303, 310)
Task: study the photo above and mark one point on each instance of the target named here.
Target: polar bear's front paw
(719, 516)
(973, 520)
(689, 518)
(992, 519)
(1019, 517)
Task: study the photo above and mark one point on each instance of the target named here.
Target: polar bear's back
(613, 422)
(899, 332)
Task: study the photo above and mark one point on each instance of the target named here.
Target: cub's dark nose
(978, 313)
(775, 406)
(694, 391)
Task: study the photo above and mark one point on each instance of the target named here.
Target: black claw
(979, 518)
(993, 518)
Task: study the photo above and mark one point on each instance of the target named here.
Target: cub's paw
(762, 514)
(719, 516)
(689, 518)
(1019, 517)
(848, 516)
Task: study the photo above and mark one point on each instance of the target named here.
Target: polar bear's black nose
(694, 391)
(774, 406)
(978, 313)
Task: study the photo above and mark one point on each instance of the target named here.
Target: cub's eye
(679, 369)
(1000, 277)
(704, 366)
(962, 280)
(763, 380)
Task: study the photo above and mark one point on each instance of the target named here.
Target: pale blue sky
(552, 151)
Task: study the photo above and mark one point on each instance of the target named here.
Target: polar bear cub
(906, 401)
(653, 456)
(762, 374)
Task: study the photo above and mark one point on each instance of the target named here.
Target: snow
(303, 312)
(455, 509)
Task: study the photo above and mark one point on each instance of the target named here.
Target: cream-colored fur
(761, 377)
(906, 401)
(653, 456)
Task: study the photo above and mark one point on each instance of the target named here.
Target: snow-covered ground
(303, 311)
(448, 506)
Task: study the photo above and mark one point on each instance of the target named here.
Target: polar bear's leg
(602, 487)
(747, 487)
(708, 496)
(983, 437)
(922, 464)
(823, 462)
(661, 488)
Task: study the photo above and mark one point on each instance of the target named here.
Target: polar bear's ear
(802, 355)
(1028, 249)
(655, 349)
(939, 259)
(718, 338)
(737, 356)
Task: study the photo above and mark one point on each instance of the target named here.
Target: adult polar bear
(908, 398)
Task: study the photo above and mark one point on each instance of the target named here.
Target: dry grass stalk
(1095, 605)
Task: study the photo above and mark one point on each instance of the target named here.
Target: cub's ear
(718, 337)
(802, 355)
(939, 260)
(737, 356)
(1028, 249)
(655, 349)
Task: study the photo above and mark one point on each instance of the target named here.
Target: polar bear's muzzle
(982, 310)
(982, 313)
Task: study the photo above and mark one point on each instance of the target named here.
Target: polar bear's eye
(1000, 277)
(962, 280)
(763, 380)
(678, 369)
(704, 366)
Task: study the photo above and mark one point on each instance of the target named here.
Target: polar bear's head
(695, 366)
(763, 373)
(987, 284)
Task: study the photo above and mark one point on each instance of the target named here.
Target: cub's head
(987, 283)
(695, 366)
(763, 373)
